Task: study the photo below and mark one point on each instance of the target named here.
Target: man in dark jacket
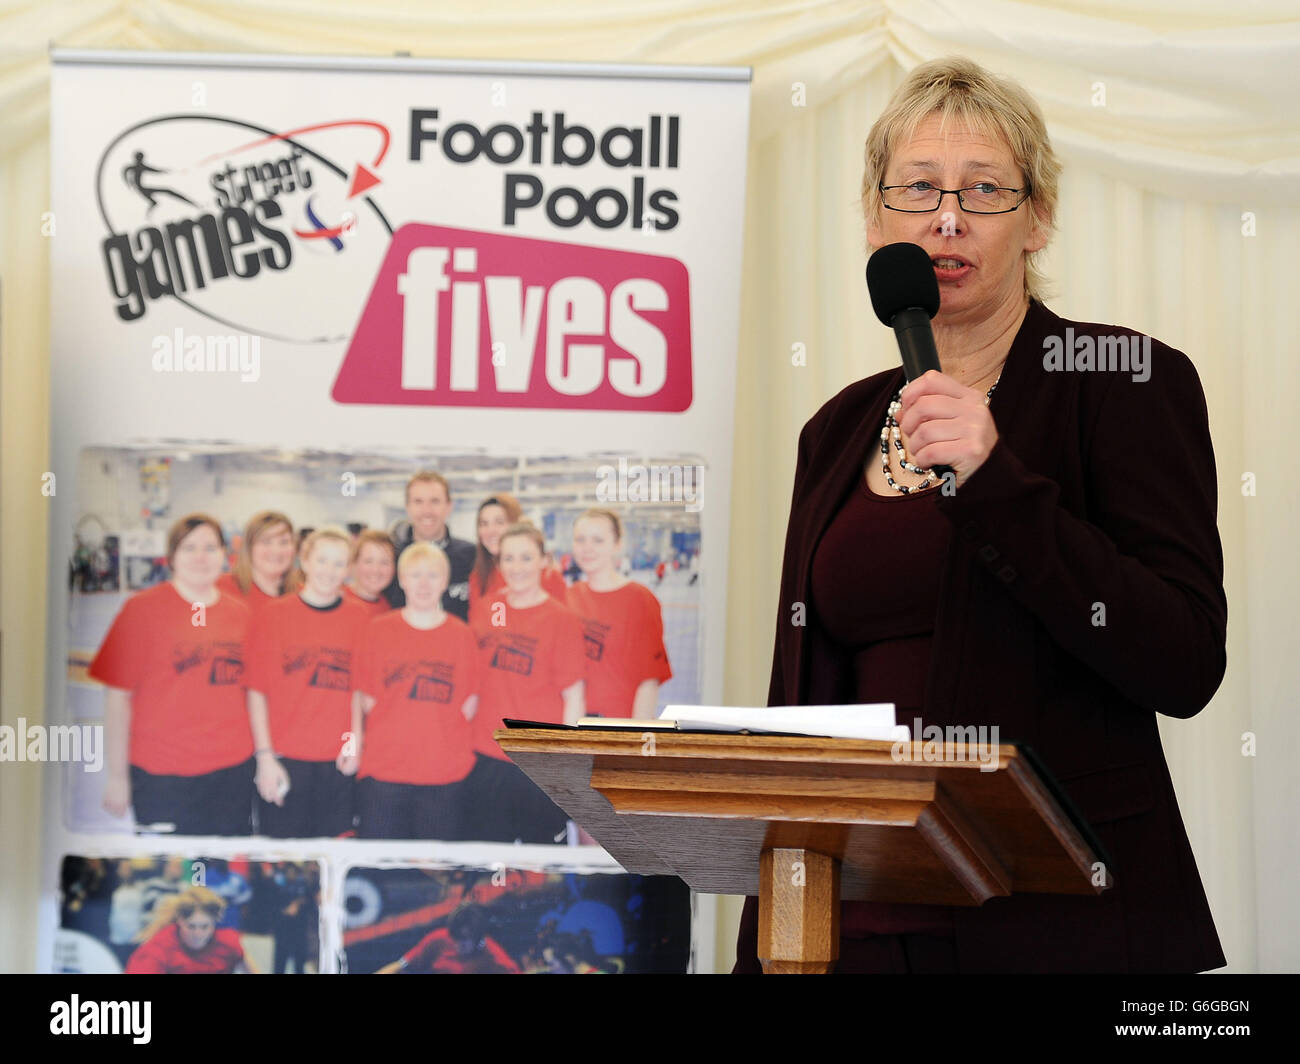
(428, 505)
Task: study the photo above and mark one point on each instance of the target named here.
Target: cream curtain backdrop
(1175, 122)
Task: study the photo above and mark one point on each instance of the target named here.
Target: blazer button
(1006, 574)
(989, 553)
(970, 530)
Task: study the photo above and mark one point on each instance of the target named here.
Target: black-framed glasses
(921, 197)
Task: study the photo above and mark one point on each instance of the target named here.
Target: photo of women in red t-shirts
(265, 557)
(374, 560)
(301, 650)
(183, 939)
(178, 747)
(532, 664)
(417, 684)
(486, 583)
(623, 628)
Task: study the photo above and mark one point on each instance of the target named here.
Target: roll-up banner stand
(281, 288)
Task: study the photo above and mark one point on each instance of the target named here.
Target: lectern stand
(805, 822)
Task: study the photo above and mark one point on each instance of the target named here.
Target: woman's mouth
(950, 267)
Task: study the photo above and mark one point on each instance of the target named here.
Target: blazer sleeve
(1136, 591)
(776, 695)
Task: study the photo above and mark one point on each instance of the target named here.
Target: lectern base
(798, 912)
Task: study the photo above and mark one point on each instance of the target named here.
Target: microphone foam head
(901, 276)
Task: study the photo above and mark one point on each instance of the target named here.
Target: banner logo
(463, 318)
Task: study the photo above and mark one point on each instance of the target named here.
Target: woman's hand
(272, 781)
(945, 423)
(117, 795)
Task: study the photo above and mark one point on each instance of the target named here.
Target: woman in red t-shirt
(622, 622)
(531, 663)
(299, 680)
(417, 688)
(265, 557)
(183, 939)
(486, 583)
(177, 740)
(374, 560)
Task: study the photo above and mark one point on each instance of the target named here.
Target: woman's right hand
(117, 795)
(272, 781)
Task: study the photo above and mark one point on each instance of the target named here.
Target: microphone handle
(916, 345)
(915, 342)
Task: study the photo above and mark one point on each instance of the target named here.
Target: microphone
(905, 296)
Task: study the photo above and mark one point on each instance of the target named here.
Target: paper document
(868, 721)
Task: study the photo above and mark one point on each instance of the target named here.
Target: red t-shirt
(480, 612)
(373, 609)
(437, 952)
(416, 732)
(623, 633)
(254, 598)
(525, 665)
(188, 711)
(300, 658)
(165, 954)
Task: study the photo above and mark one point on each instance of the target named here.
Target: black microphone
(905, 296)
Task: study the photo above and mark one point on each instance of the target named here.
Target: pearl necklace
(891, 431)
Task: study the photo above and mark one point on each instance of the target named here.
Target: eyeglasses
(921, 197)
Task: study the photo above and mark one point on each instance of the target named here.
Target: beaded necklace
(891, 431)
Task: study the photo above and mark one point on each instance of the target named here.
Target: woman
(177, 741)
(417, 690)
(622, 624)
(1059, 592)
(531, 663)
(183, 939)
(266, 555)
(299, 684)
(495, 515)
(374, 561)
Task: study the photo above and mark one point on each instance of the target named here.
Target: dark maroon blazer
(1101, 489)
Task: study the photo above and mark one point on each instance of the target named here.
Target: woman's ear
(1040, 230)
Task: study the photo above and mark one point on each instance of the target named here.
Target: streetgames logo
(197, 206)
(463, 318)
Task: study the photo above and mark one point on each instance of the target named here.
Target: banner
(345, 354)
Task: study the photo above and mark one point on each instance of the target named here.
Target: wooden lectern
(804, 822)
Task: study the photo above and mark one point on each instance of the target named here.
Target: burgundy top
(875, 589)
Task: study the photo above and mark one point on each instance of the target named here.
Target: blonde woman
(417, 684)
(266, 555)
(622, 622)
(532, 666)
(183, 939)
(300, 661)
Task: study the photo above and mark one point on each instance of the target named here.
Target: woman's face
(991, 246)
(272, 552)
(325, 567)
(196, 930)
(521, 564)
(199, 557)
(424, 583)
(594, 546)
(373, 570)
(491, 523)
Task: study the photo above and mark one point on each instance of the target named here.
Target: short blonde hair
(422, 552)
(963, 93)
